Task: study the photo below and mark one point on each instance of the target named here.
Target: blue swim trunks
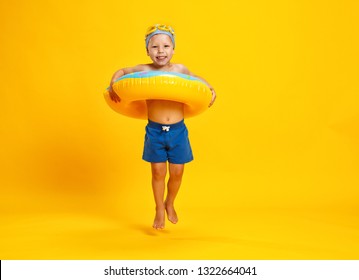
(167, 143)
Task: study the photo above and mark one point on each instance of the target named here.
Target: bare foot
(171, 213)
(159, 222)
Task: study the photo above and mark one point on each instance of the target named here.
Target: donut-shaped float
(135, 88)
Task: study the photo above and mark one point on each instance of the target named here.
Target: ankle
(160, 207)
(169, 204)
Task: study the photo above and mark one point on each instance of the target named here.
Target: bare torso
(165, 111)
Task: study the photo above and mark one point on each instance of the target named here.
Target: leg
(173, 185)
(159, 171)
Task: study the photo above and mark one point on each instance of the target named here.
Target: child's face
(160, 49)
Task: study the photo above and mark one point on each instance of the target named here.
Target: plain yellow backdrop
(276, 164)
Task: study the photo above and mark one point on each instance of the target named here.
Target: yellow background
(276, 164)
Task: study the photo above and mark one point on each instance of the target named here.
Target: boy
(162, 145)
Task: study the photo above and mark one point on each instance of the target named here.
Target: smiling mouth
(161, 57)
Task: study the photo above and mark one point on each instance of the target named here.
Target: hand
(113, 95)
(214, 96)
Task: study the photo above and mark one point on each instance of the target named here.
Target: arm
(214, 96)
(118, 74)
(186, 71)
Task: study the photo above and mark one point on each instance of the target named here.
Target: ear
(147, 52)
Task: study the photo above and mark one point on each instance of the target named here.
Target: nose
(160, 49)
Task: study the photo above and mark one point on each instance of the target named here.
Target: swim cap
(160, 29)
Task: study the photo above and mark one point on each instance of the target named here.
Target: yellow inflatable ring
(135, 88)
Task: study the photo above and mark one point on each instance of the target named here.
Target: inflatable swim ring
(135, 88)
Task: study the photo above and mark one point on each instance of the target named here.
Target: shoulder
(180, 68)
(141, 67)
(137, 68)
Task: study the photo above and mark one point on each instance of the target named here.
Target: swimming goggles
(162, 27)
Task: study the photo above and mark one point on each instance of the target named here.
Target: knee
(176, 174)
(159, 174)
